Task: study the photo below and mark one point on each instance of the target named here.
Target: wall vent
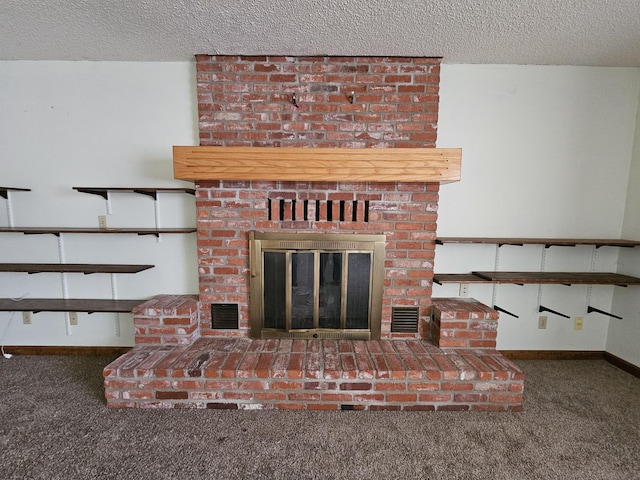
(224, 316)
(404, 319)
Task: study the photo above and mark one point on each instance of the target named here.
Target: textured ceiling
(559, 32)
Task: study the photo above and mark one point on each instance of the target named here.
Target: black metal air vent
(404, 319)
(224, 316)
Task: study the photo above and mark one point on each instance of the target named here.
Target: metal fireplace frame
(311, 242)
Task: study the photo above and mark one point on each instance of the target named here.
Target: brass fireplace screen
(316, 285)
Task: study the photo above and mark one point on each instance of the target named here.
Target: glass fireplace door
(315, 292)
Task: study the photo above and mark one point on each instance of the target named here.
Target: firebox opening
(316, 285)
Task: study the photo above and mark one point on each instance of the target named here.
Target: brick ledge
(241, 373)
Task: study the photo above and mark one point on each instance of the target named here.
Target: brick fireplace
(316, 102)
(194, 351)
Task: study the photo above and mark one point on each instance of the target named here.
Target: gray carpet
(581, 421)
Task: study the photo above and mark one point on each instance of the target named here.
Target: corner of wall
(623, 336)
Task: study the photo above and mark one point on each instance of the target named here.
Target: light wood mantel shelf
(317, 164)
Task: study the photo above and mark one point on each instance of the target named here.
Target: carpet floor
(581, 421)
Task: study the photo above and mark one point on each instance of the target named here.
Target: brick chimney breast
(334, 102)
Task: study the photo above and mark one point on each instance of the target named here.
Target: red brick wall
(248, 101)
(341, 102)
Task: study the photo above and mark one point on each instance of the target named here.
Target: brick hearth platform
(393, 374)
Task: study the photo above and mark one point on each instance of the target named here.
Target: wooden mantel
(317, 164)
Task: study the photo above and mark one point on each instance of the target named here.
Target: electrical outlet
(464, 289)
(102, 221)
(73, 318)
(542, 322)
(26, 318)
(578, 323)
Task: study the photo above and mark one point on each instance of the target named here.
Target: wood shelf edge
(598, 242)
(538, 278)
(86, 268)
(86, 305)
(57, 231)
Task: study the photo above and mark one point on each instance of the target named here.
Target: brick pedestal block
(463, 323)
(167, 319)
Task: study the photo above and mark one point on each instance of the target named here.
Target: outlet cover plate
(578, 323)
(542, 322)
(26, 318)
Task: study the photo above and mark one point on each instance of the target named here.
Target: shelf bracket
(55, 234)
(100, 192)
(4, 191)
(542, 308)
(597, 310)
(549, 245)
(150, 193)
(500, 309)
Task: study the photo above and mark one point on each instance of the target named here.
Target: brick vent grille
(224, 316)
(317, 210)
(404, 320)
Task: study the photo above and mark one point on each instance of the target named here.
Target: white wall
(67, 124)
(624, 335)
(546, 153)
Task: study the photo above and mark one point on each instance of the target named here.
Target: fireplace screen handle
(255, 258)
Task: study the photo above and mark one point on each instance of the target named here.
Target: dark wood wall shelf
(84, 305)
(547, 242)
(68, 305)
(537, 278)
(441, 278)
(148, 191)
(58, 230)
(521, 278)
(4, 191)
(86, 268)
